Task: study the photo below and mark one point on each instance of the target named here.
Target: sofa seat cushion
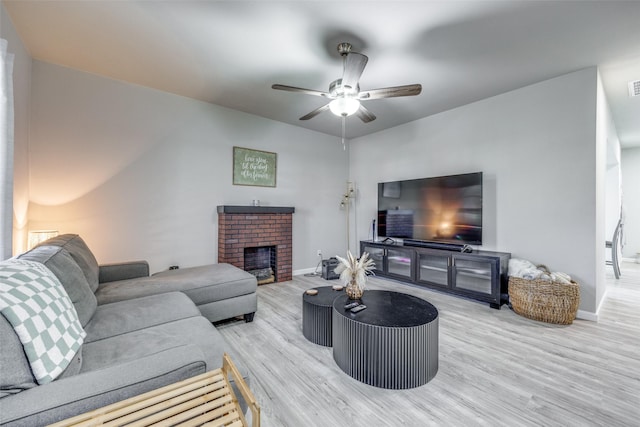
(195, 333)
(122, 317)
(203, 284)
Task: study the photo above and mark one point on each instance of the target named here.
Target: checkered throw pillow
(36, 304)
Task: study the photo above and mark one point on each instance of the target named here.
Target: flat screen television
(445, 209)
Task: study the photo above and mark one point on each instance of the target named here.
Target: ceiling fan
(345, 94)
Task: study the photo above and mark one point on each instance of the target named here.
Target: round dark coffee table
(392, 344)
(317, 316)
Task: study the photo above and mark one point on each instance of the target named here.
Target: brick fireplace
(252, 230)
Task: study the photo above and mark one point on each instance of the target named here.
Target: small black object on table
(392, 344)
(317, 315)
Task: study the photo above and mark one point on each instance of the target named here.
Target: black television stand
(481, 275)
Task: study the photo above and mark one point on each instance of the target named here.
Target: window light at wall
(38, 236)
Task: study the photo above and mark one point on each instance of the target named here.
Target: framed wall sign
(254, 167)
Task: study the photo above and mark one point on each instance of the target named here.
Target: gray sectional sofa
(142, 332)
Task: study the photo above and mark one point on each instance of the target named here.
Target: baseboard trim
(587, 315)
(305, 271)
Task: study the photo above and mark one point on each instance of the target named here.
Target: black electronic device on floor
(328, 265)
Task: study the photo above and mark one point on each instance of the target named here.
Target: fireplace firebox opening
(261, 262)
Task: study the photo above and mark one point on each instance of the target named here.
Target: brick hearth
(241, 227)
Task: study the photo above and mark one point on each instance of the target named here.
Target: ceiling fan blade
(300, 90)
(391, 92)
(365, 115)
(353, 68)
(315, 112)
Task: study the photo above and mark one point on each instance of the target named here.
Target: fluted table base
(393, 357)
(317, 315)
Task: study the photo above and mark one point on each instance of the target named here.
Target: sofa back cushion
(80, 253)
(65, 268)
(43, 317)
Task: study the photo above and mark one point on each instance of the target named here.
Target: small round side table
(317, 315)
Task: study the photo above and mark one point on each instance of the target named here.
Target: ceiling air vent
(634, 88)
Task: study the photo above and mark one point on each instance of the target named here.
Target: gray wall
(138, 173)
(631, 200)
(543, 172)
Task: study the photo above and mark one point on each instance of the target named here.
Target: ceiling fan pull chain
(344, 126)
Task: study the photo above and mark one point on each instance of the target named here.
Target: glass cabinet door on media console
(391, 261)
(433, 268)
(474, 274)
(376, 254)
(400, 263)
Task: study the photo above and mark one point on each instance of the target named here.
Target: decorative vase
(353, 290)
(353, 273)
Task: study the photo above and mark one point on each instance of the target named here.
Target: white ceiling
(231, 52)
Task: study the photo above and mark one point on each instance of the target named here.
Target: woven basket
(544, 300)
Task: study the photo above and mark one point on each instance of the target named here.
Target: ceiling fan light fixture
(344, 106)
(345, 92)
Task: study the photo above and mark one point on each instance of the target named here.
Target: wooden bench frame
(206, 399)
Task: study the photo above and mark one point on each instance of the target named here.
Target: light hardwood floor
(495, 367)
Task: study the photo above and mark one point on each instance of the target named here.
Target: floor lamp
(346, 201)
